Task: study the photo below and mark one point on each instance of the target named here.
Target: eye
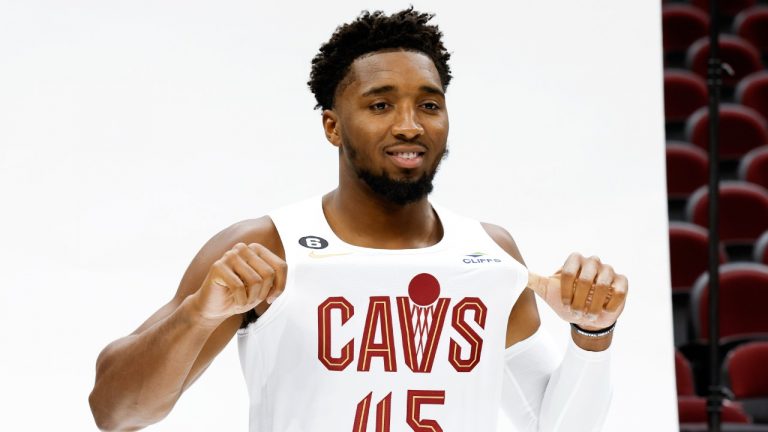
(378, 106)
(431, 106)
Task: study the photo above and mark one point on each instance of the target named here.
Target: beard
(399, 192)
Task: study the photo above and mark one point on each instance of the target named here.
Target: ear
(331, 127)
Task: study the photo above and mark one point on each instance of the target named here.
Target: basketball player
(369, 308)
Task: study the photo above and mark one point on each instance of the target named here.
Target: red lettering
(361, 414)
(410, 333)
(475, 341)
(379, 317)
(383, 413)
(417, 398)
(324, 333)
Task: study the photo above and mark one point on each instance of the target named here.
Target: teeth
(407, 155)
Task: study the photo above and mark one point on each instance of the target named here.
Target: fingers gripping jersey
(381, 340)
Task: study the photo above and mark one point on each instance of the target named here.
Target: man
(369, 308)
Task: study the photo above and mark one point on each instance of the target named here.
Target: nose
(407, 126)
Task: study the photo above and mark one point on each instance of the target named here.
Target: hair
(370, 32)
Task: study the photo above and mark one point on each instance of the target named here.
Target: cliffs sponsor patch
(479, 258)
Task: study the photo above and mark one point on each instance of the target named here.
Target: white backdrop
(131, 132)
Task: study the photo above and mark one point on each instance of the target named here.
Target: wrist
(592, 339)
(591, 331)
(193, 313)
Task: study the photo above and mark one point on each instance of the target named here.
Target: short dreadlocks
(370, 32)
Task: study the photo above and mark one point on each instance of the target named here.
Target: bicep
(524, 317)
(196, 271)
(259, 231)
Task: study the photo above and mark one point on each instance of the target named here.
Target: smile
(409, 159)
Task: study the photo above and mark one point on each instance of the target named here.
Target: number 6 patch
(313, 242)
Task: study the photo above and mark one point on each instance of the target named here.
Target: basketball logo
(423, 290)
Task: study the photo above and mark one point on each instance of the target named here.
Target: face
(390, 123)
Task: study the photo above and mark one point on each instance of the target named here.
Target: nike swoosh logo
(314, 254)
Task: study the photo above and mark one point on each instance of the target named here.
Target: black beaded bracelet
(593, 333)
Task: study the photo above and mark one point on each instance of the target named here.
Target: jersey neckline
(440, 245)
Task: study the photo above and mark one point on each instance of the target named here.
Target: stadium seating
(741, 130)
(683, 375)
(742, 303)
(726, 8)
(746, 370)
(743, 211)
(739, 54)
(743, 227)
(682, 24)
(694, 410)
(689, 258)
(752, 92)
(752, 25)
(684, 93)
(747, 374)
(753, 167)
(761, 249)
(687, 169)
(688, 254)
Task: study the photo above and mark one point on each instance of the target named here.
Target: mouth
(408, 158)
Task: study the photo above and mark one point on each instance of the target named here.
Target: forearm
(542, 394)
(578, 393)
(140, 377)
(528, 367)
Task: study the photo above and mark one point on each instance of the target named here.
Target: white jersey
(378, 339)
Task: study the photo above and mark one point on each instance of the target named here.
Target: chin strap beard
(397, 191)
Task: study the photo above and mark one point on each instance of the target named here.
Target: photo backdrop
(131, 132)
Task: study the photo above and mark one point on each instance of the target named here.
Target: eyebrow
(432, 90)
(389, 88)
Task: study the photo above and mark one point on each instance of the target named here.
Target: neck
(361, 217)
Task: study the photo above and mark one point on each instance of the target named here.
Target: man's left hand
(584, 292)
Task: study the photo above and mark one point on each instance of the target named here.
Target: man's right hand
(243, 277)
(238, 268)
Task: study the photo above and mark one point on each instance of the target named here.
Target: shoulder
(524, 318)
(259, 230)
(497, 233)
(504, 239)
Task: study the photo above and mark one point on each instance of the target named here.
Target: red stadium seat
(745, 368)
(687, 169)
(753, 167)
(761, 249)
(689, 258)
(684, 93)
(682, 24)
(694, 410)
(688, 254)
(684, 375)
(752, 25)
(743, 300)
(743, 211)
(741, 130)
(739, 54)
(726, 8)
(752, 91)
